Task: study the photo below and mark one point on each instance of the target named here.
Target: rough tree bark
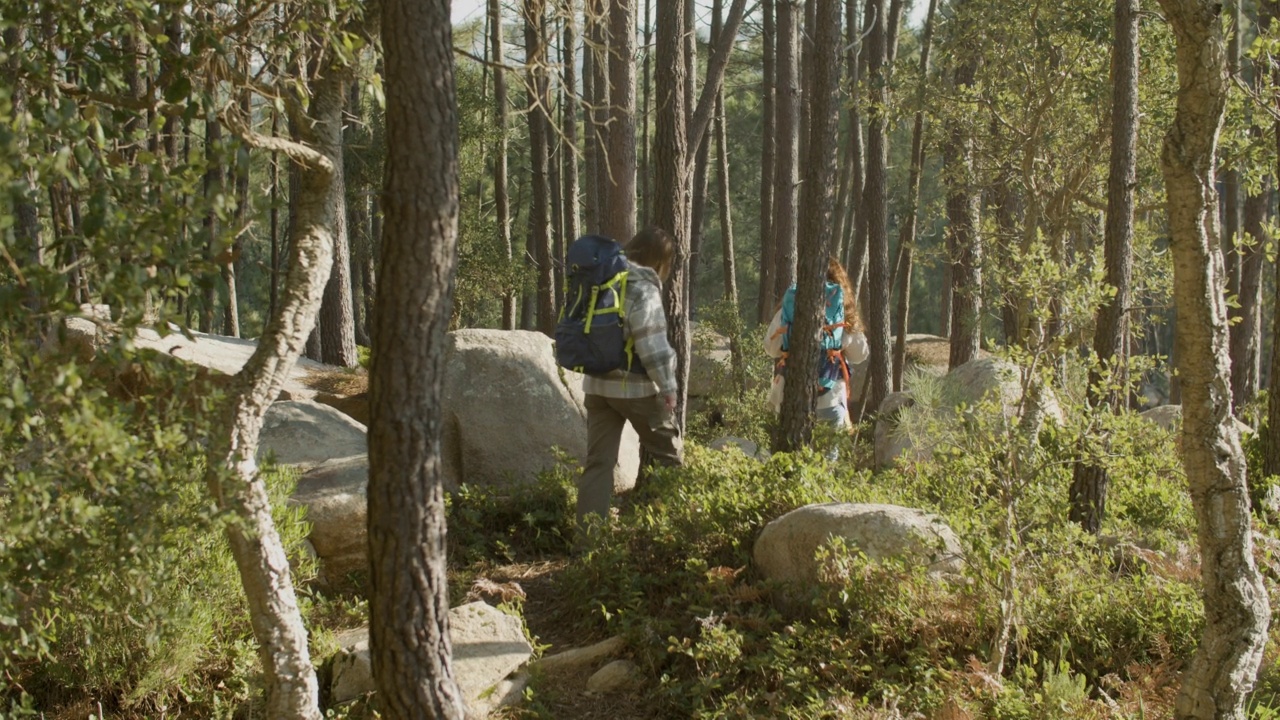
(337, 312)
(290, 680)
(786, 147)
(817, 234)
(671, 179)
(620, 177)
(569, 123)
(535, 43)
(409, 602)
(768, 103)
(1088, 493)
(964, 203)
(875, 207)
(501, 200)
(1222, 672)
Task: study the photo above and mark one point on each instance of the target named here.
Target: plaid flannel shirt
(646, 325)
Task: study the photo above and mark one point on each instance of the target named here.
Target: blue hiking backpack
(589, 336)
(831, 364)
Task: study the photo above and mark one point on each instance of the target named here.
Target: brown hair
(837, 275)
(654, 248)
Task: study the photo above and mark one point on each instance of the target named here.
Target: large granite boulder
(334, 495)
(923, 353)
(488, 647)
(786, 547)
(710, 362)
(304, 432)
(968, 385)
(507, 405)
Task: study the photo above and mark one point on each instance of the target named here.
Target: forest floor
(554, 623)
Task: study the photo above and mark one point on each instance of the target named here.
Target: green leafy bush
(117, 582)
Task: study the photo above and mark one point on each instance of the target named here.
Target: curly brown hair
(837, 275)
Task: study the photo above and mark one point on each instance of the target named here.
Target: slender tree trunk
(569, 123)
(231, 309)
(620, 219)
(1230, 176)
(907, 234)
(1271, 441)
(768, 104)
(672, 181)
(816, 235)
(337, 313)
(212, 187)
(409, 602)
(963, 209)
(646, 169)
(535, 36)
(730, 266)
(1223, 670)
(1088, 493)
(856, 264)
(875, 206)
(501, 200)
(596, 130)
(787, 144)
(274, 214)
(1246, 335)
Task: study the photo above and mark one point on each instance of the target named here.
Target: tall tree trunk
(1222, 672)
(274, 220)
(620, 219)
(337, 313)
(907, 234)
(212, 187)
(1230, 176)
(768, 105)
(231, 309)
(875, 206)
(730, 266)
(671, 180)
(595, 71)
(1088, 493)
(409, 602)
(646, 169)
(856, 265)
(535, 38)
(963, 209)
(501, 200)
(854, 154)
(1246, 335)
(787, 143)
(816, 236)
(569, 123)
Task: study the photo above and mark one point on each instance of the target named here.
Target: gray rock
(304, 432)
(786, 547)
(968, 385)
(924, 353)
(1169, 417)
(488, 647)
(334, 494)
(747, 447)
(507, 404)
(711, 360)
(617, 676)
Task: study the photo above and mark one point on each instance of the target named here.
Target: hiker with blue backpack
(843, 344)
(614, 330)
